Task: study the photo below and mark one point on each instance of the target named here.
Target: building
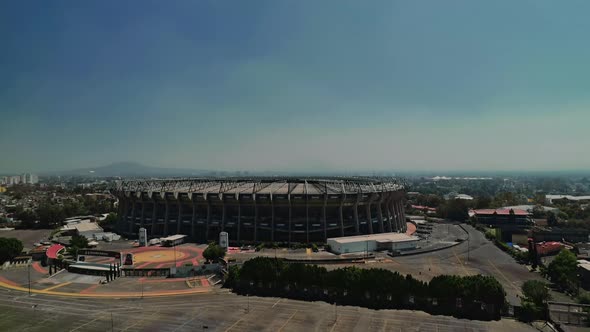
(529, 208)
(25, 178)
(373, 242)
(262, 209)
(507, 222)
(552, 198)
(573, 235)
(584, 273)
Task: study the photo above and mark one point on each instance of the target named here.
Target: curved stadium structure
(262, 209)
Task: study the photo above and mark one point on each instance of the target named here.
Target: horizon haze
(286, 86)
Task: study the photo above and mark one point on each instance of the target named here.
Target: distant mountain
(129, 169)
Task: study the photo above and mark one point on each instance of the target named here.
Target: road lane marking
(504, 276)
(288, 320)
(57, 286)
(279, 300)
(460, 262)
(236, 323)
(97, 318)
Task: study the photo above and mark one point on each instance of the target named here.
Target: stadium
(261, 209)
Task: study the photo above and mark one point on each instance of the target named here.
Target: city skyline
(295, 86)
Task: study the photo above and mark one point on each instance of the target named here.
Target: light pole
(468, 246)
(174, 254)
(29, 274)
(335, 312)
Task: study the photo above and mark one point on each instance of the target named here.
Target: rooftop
(173, 237)
(274, 185)
(501, 212)
(383, 237)
(568, 197)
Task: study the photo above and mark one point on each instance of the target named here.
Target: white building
(550, 198)
(373, 242)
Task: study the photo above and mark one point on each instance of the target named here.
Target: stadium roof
(273, 186)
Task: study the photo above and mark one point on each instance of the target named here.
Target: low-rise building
(573, 235)
(553, 198)
(373, 242)
(508, 222)
(584, 273)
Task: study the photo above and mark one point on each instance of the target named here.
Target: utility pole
(174, 254)
(335, 312)
(29, 274)
(468, 246)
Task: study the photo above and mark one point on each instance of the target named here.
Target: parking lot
(218, 312)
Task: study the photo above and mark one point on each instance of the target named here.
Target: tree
(454, 209)
(50, 215)
(483, 202)
(562, 270)
(77, 242)
(536, 292)
(213, 252)
(111, 219)
(551, 219)
(27, 217)
(9, 248)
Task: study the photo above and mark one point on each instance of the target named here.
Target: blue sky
(295, 85)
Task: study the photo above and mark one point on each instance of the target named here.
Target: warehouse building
(373, 242)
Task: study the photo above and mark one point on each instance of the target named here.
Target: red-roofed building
(508, 221)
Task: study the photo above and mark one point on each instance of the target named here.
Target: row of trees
(50, 214)
(475, 297)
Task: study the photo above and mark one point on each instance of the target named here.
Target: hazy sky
(295, 85)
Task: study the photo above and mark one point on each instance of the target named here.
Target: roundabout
(159, 256)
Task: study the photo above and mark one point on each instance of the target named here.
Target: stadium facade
(264, 209)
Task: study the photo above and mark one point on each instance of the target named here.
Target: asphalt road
(218, 312)
(476, 256)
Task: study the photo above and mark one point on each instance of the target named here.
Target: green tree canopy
(454, 209)
(9, 248)
(77, 242)
(536, 292)
(562, 270)
(551, 219)
(213, 252)
(50, 215)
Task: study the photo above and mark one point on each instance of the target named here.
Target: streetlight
(174, 254)
(29, 274)
(367, 246)
(335, 312)
(468, 246)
